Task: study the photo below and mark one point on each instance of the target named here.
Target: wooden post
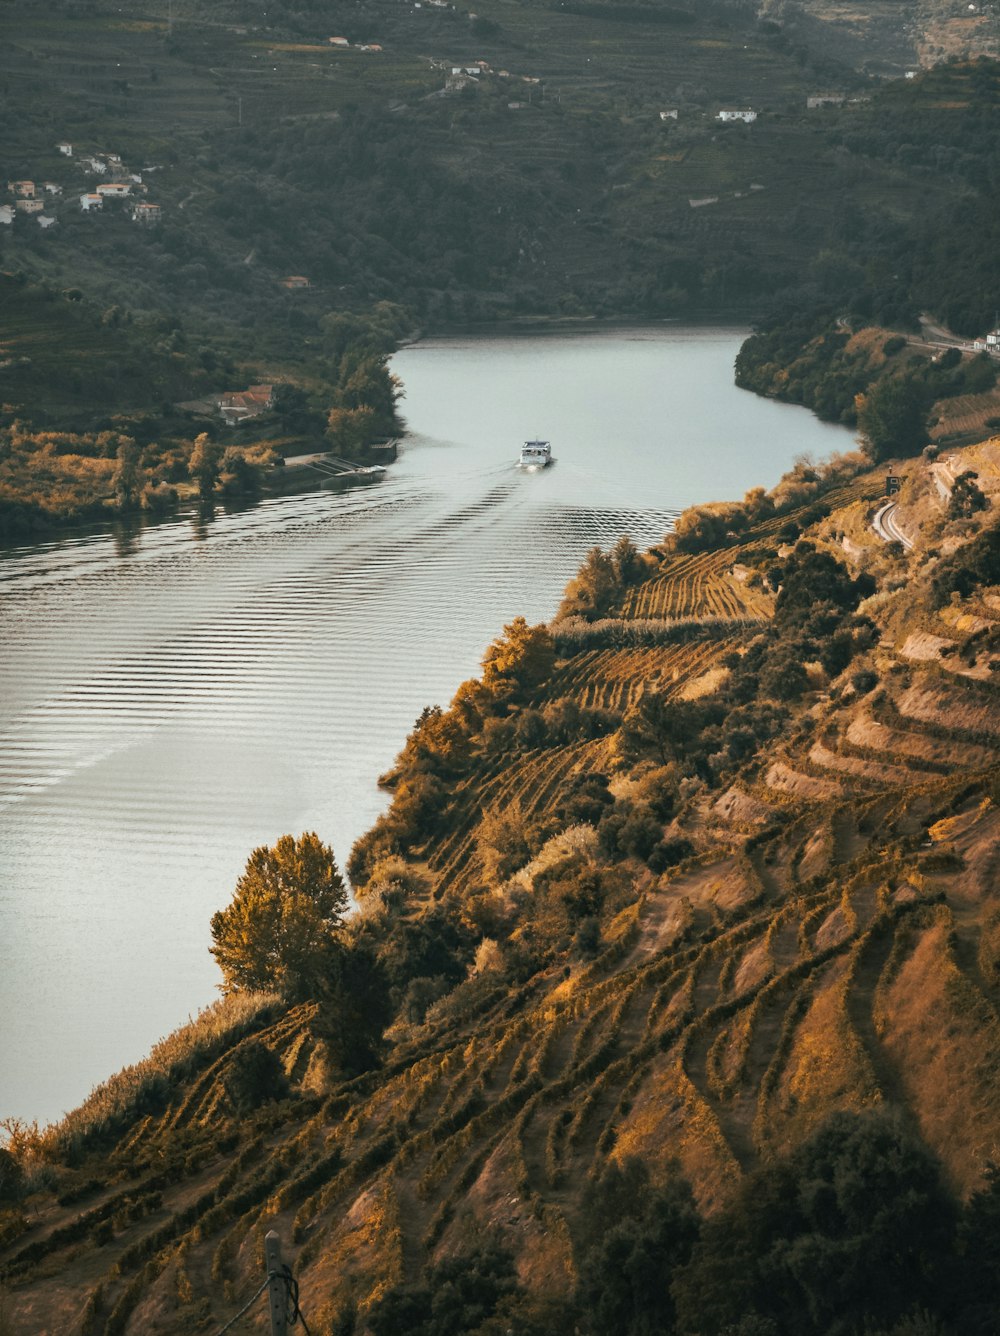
(277, 1293)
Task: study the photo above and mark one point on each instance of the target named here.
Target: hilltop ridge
(686, 878)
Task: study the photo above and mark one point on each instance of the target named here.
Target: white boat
(535, 455)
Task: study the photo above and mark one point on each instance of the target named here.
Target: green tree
(849, 1233)
(282, 929)
(892, 418)
(519, 660)
(354, 1009)
(127, 479)
(205, 464)
(254, 1076)
(639, 1236)
(592, 590)
(966, 496)
(349, 430)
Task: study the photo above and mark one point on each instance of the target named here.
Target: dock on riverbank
(322, 469)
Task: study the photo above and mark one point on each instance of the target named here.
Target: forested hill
(671, 1000)
(372, 171)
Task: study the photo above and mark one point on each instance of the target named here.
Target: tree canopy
(519, 660)
(281, 930)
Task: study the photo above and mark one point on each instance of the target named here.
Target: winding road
(887, 527)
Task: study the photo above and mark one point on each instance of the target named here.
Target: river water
(172, 698)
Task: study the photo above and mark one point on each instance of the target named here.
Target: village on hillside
(108, 180)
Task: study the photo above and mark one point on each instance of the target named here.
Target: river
(171, 698)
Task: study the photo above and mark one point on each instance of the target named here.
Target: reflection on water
(173, 696)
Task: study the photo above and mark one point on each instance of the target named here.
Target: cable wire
(292, 1294)
(245, 1309)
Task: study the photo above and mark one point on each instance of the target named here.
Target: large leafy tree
(519, 660)
(892, 417)
(282, 929)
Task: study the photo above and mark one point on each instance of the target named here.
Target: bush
(254, 1077)
(864, 680)
(850, 1232)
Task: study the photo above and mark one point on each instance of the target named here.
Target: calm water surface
(170, 700)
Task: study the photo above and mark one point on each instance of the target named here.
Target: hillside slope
(372, 172)
(726, 870)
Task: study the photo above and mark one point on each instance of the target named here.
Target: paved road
(886, 526)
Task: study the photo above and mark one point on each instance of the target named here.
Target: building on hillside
(51, 188)
(238, 405)
(6, 215)
(90, 202)
(733, 114)
(22, 189)
(145, 213)
(338, 41)
(29, 205)
(65, 149)
(669, 115)
(295, 281)
(115, 189)
(45, 221)
(369, 46)
(825, 100)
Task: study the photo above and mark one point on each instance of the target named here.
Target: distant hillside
(690, 933)
(371, 171)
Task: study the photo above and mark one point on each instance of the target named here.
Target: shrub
(254, 1076)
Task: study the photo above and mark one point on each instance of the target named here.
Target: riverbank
(184, 691)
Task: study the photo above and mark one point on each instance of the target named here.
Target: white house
(145, 213)
(65, 149)
(89, 203)
(114, 189)
(45, 221)
(51, 188)
(730, 114)
(6, 215)
(670, 115)
(825, 100)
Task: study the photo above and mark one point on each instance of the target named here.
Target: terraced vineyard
(698, 586)
(827, 942)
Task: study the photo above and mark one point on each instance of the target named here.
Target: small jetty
(324, 467)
